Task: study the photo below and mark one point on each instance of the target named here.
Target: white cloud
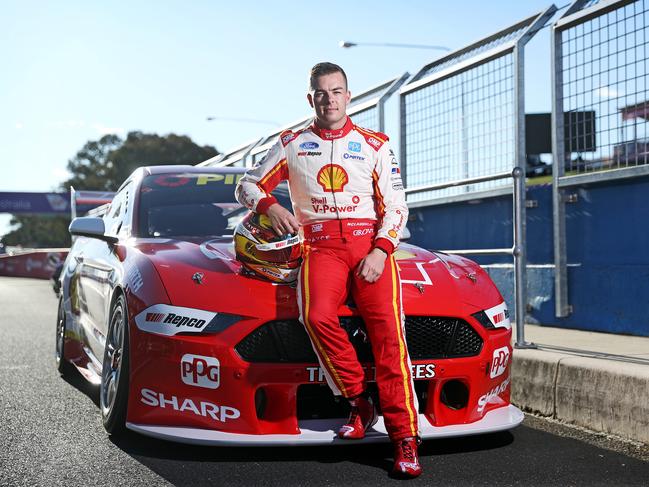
(19, 125)
(606, 92)
(103, 130)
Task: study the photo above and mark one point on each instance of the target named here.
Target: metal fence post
(561, 306)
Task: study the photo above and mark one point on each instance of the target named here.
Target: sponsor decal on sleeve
(200, 371)
(499, 362)
(374, 142)
(286, 138)
(309, 153)
(164, 319)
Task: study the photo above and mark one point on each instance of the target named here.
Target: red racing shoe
(362, 417)
(406, 459)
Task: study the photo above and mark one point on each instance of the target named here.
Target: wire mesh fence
(604, 94)
(461, 127)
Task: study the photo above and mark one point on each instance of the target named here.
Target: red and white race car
(186, 346)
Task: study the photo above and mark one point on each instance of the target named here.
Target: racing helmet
(265, 254)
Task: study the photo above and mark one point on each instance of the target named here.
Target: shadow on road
(172, 461)
(76, 380)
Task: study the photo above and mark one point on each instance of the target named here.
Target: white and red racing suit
(348, 197)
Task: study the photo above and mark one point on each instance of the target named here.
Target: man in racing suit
(349, 202)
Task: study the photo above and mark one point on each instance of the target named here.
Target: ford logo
(309, 145)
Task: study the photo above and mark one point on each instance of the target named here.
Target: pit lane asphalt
(51, 434)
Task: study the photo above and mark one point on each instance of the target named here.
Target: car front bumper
(323, 432)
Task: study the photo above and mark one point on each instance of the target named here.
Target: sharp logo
(493, 393)
(163, 319)
(199, 408)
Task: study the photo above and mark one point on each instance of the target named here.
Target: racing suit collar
(326, 134)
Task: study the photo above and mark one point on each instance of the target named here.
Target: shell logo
(332, 178)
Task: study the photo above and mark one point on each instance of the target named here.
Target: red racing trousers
(332, 253)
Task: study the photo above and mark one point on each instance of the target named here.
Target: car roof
(149, 170)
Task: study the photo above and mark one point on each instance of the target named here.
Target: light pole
(348, 44)
(243, 120)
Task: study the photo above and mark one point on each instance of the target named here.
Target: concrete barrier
(609, 396)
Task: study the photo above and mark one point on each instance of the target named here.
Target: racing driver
(349, 203)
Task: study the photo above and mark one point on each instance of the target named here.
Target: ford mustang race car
(186, 345)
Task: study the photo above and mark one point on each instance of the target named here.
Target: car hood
(205, 274)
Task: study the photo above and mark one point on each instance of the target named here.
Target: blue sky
(75, 70)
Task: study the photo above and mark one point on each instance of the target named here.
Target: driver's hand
(282, 220)
(372, 265)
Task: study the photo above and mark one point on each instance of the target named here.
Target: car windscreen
(192, 204)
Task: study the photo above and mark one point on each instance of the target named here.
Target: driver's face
(329, 100)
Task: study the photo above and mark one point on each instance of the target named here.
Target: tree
(91, 168)
(106, 163)
(103, 165)
(39, 231)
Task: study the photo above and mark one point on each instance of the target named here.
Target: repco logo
(174, 319)
(196, 370)
(499, 362)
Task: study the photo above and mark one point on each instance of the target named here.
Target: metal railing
(600, 82)
(366, 109)
(473, 99)
(517, 250)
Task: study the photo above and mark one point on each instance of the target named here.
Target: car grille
(316, 401)
(286, 341)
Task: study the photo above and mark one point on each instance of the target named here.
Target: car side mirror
(90, 226)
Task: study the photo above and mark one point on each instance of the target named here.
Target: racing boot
(362, 416)
(406, 460)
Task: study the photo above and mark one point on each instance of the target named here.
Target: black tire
(113, 391)
(64, 367)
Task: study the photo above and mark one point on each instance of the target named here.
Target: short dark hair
(321, 69)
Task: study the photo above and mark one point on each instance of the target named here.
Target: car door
(101, 269)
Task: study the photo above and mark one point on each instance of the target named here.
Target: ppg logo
(196, 370)
(499, 362)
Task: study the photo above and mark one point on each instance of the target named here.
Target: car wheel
(63, 366)
(113, 394)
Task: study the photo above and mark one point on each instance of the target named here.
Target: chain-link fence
(601, 107)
